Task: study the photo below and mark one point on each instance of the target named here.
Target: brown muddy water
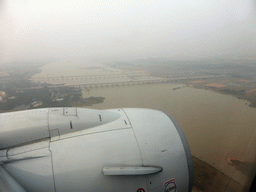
(217, 126)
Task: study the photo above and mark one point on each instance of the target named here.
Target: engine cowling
(76, 149)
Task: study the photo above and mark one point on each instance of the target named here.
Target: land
(235, 77)
(17, 92)
(36, 86)
(26, 88)
(208, 178)
(240, 87)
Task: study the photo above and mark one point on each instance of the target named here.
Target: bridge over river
(102, 81)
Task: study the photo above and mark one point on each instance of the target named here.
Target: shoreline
(208, 178)
(252, 103)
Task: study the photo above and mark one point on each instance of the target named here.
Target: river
(217, 126)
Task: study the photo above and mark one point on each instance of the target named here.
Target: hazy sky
(88, 29)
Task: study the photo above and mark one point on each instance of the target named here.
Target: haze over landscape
(105, 30)
(195, 60)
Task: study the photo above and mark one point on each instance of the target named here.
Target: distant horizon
(40, 63)
(105, 31)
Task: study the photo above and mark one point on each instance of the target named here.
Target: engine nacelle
(77, 149)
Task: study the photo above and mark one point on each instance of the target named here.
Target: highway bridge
(89, 82)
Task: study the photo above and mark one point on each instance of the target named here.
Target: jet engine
(78, 149)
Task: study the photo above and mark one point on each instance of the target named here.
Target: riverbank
(208, 178)
(237, 87)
